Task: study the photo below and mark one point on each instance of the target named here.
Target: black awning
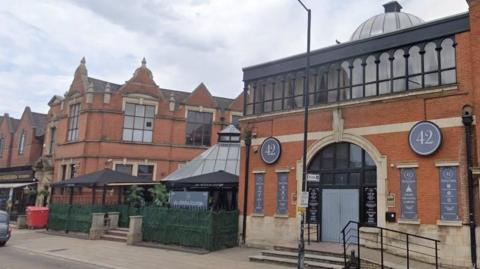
(103, 177)
(215, 179)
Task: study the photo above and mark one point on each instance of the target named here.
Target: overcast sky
(185, 42)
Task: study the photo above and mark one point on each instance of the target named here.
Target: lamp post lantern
(301, 244)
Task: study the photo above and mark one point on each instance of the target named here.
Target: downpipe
(467, 120)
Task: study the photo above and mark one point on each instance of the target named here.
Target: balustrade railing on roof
(417, 66)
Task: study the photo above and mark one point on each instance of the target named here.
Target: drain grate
(58, 250)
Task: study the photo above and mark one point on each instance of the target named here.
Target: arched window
(322, 88)
(343, 164)
(430, 61)
(278, 87)
(447, 59)
(288, 102)
(370, 76)
(268, 96)
(399, 71)
(344, 77)
(299, 84)
(312, 85)
(259, 90)
(384, 74)
(357, 79)
(250, 95)
(414, 68)
(332, 83)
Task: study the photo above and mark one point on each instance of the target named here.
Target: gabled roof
(201, 96)
(181, 97)
(39, 122)
(222, 102)
(142, 81)
(103, 177)
(100, 85)
(12, 123)
(237, 103)
(224, 156)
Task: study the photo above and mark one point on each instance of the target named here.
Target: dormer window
(138, 123)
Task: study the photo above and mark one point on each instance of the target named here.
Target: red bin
(37, 217)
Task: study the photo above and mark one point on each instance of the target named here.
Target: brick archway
(379, 159)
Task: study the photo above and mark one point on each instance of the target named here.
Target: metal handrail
(390, 230)
(347, 243)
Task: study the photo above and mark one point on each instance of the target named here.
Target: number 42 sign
(425, 138)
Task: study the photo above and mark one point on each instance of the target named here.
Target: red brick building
(136, 127)
(367, 153)
(21, 142)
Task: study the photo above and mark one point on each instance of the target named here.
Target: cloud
(185, 41)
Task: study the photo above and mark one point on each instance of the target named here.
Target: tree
(160, 194)
(135, 196)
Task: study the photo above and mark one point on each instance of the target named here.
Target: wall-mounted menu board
(313, 212)
(370, 206)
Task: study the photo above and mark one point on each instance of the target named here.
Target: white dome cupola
(392, 20)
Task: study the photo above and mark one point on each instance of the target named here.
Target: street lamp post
(301, 244)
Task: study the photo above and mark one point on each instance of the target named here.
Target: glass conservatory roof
(224, 156)
(391, 20)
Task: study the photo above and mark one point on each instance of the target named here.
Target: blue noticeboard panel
(408, 191)
(425, 138)
(448, 193)
(258, 199)
(189, 199)
(282, 194)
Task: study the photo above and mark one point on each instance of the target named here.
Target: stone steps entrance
(287, 256)
(320, 255)
(117, 235)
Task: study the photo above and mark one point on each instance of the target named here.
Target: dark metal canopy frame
(221, 185)
(102, 178)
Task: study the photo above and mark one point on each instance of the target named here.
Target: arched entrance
(343, 181)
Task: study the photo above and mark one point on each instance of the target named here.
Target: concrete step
(308, 251)
(115, 238)
(308, 256)
(122, 229)
(293, 262)
(117, 233)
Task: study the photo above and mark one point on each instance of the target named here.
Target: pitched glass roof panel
(224, 156)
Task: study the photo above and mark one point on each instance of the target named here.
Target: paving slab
(118, 255)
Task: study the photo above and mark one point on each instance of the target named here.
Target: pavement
(37, 249)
